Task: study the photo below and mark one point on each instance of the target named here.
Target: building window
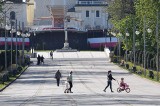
(97, 13)
(87, 13)
(12, 15)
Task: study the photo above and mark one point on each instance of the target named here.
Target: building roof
(92, 3)
(78, 5)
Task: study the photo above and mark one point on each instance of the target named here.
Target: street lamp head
(127, 34)
(120, 34)
(27, 34)
(12, 30)
(114, 34)
(18, 33)
(23, 35)
(137, 32)
(149, 30)
(7, 27)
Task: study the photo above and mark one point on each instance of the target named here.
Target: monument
(58, 10)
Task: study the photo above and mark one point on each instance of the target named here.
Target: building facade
(83, 14)
(20, 10)
(89, 15)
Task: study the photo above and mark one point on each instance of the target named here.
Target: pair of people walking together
(68, 82)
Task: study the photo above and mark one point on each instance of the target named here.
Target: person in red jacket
(123, 84)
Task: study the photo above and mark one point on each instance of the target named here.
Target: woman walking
(70, 81)
(110, 78)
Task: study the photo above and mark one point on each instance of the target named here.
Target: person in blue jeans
(110, 78)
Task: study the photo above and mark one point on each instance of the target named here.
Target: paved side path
(37, 86)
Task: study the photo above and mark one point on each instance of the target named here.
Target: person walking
(38, 59)
(70, 80)
(110, 78)
(51, 54)
(58, 76)
(42, 59)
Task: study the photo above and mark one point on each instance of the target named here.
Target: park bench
(12, 71)
(127, 66)
(139, 72)
(151, 74)
(4, 76)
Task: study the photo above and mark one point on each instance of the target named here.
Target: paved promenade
(37, 85)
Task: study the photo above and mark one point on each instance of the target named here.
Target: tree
(147, 9)
(121, 12)
(129, 13)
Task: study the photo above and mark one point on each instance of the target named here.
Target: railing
(91, 2)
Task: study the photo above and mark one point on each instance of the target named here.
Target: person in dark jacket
(110, 78)
(38, 59)
(42, 59)
(58, 76)
(51, 54)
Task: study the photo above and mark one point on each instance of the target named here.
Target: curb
(13, 80)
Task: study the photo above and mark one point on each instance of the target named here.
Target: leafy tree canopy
(127, 14)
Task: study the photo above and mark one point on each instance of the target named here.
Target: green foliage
(125, 21)
(147, 10)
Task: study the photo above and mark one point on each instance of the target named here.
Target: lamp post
(16, 46)
(33, 37)
(119, 40)
(144, 37)
(12, 30)
(134, 49)
(23, 45)
(157, 38)
(144, 46)
(144, 52)
(18, 33)
(6, 29)
(127, 34)
(23, 36)
(105, 39)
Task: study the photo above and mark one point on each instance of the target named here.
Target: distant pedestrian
(58, 76)
(38, 60)
(42, 59)
(51, 54)
(70, 81)
(110, 78)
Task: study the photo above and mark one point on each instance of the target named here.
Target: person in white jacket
(69, 78)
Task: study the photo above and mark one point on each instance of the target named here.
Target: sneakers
(105, 91)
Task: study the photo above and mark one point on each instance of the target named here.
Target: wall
(30, 13)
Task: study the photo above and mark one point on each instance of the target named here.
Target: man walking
(58, 76)
(110, 78)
